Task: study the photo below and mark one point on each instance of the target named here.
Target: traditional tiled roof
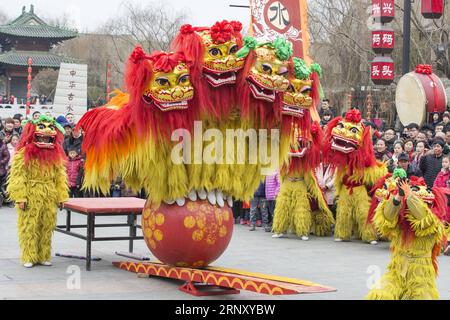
(28, 24)
(40, 59)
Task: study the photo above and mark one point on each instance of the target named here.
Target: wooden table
(102, 207)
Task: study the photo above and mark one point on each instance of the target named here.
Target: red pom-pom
(237, 26)
(353, 116)
(416, 181)
(222, 32)
(166, 62)
(187, 29)
(424, 69)
(137, 55)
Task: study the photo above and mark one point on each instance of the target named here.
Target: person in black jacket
(431, 165)
(73, 141)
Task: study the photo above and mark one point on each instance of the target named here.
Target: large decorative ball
(191, 236)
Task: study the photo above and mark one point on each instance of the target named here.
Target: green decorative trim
(301, 70)
(44, 118)
(283, 48)
(315, 67)
(249, 44)
(399, 173)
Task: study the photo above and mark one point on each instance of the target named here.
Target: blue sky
(87, 15)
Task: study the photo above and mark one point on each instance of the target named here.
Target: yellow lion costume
(412, 219)
(300, 203)
(38, 184)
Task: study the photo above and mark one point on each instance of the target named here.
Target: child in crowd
(12, 148)
(272, 190)
(245, 218)
(444, 175)
(74, 173)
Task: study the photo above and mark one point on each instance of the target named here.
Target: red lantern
(383, 41)
(383, 10)
(382, 71)
(432, 9)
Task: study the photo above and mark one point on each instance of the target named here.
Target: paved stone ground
(343, 266)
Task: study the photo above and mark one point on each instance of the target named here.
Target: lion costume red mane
(44, 156)
(361, 158)
(210, 101)
(136, 119)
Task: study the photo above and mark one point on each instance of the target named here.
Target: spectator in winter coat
(12, 148)
(431, 164)
(272, 190)
(259, 202)
(8, 131)
(4, 160)
(74, 165)
(73, 141)
(444, 175)
(404, 163)
(325, 177)
(421, 151)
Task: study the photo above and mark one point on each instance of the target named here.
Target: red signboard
(383, 10)
(382, 71)
(383, 41)
(432, 9)
(286, 18)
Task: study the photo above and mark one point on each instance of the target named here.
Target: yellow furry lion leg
(367, 231)
(301, 214)
(387, 288)
(322, 221)
(28, 228)
(344, 218)
(282, 216)
(48, 224)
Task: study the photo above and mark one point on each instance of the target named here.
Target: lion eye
(354, 130)
(267, 68)
(41, 127)
(215, 52)
(183, 79)
(52, 128)
(340, 126)
(234, 49)
(162, 82)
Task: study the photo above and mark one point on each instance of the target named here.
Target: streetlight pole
(406, 36)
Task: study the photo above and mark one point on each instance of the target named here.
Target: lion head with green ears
(269, 70)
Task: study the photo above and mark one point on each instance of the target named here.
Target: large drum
(419, 93)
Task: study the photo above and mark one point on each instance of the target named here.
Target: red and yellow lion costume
(349, 149)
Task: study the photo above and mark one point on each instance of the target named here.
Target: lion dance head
(42, 141)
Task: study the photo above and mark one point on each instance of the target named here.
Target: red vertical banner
(30, 71)
(286, 18)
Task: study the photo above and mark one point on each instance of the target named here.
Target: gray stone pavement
(344, 266)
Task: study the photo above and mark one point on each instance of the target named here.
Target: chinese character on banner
(375, 71)
(382, 71)
(376, 39)
(383, 40)
(383, 10)
(287, 18)
(72, 85)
